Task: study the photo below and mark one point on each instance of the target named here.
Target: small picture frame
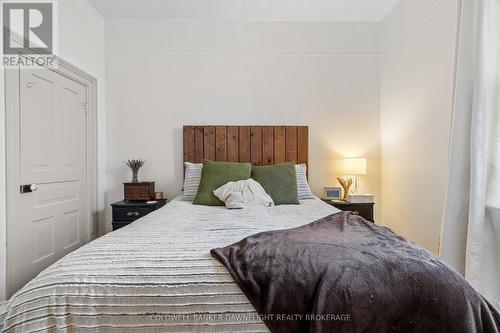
(333, 193)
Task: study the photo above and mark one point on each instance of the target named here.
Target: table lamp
(351, 168)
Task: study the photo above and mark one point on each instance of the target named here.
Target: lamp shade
(354, 166)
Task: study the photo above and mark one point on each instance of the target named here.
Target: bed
(158, 273)
(155, 274)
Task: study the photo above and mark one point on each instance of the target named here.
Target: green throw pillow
(216, 174)
(279, 181)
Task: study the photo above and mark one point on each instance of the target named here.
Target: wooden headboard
(259, 145)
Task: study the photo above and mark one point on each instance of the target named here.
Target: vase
(134, 176)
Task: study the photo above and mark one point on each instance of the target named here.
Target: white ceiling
(248, 10)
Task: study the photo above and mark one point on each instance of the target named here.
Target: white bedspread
(155, 274)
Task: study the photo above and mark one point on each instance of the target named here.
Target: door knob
(29, 188)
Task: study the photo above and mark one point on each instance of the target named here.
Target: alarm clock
(333, 193)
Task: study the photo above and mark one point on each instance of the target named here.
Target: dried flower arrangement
(346, 185)
(134, 165)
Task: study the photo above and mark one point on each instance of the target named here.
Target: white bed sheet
(155, 274)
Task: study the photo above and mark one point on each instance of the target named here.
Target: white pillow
(243, 193)
(303, 190)
(192, 176)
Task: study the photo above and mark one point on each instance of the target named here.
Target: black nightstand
(364, 210)
(126, 212)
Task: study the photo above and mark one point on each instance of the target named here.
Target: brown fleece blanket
(344, 274)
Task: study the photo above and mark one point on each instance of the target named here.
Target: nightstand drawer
(129, 214)
(364, 211)
(125, 212)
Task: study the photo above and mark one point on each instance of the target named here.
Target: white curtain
(470, 239)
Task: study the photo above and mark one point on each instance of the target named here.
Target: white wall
(417, 78)
(81, 42)
(162, 75)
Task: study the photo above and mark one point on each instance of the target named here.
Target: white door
(53, 217)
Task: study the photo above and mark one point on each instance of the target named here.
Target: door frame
(12, 146)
